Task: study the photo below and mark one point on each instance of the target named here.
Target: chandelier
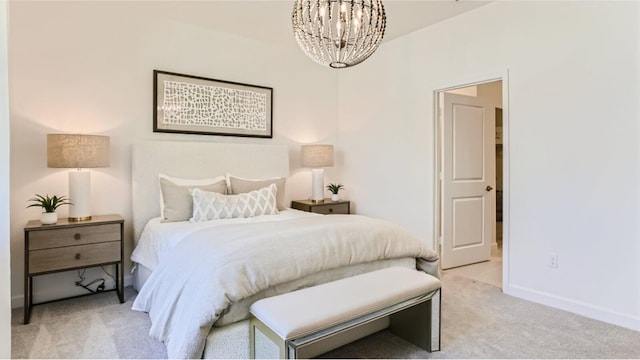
(338, 33)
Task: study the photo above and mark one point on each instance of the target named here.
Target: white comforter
(215, 267)
(158, 239)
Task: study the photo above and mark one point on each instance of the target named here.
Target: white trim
(577, 307)
(437, 171)
(506, 181)
(473, 80)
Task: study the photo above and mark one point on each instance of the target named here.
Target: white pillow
(185, 182)
(212, 206)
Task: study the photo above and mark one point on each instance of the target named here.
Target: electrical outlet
(553, 260)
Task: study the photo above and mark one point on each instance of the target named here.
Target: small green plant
(49, 204)
(335, 188)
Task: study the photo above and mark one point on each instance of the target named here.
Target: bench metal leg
(255, 324)
(420, 324)
(252, 339)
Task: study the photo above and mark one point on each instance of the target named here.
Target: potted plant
(334, 189)
(49, 205)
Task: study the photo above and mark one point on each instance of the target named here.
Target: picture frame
(190, 104)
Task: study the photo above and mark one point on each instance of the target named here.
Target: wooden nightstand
(68, 246)
(326, 208)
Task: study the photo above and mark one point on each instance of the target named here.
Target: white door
(468, 179)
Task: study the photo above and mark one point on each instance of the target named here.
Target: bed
(197, 279)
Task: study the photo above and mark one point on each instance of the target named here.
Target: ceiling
(270, 21)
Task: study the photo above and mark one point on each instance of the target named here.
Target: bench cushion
(312, 309)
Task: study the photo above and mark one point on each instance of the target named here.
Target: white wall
(5, 277)
(86, 67)
(574, 141)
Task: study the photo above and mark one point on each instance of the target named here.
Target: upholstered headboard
(193, 160)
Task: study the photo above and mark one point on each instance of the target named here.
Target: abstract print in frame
(197, 105)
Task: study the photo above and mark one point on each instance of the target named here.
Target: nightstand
(327, 207)
(70, 245)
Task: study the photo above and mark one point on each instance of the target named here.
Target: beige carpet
(478, 322)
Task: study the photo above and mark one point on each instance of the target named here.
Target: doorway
(470, 157)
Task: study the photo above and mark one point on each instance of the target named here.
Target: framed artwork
(197, 105)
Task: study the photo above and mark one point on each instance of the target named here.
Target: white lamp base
(317, 185)
(79, 195)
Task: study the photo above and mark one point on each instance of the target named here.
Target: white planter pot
(49, 218)
(335, 197)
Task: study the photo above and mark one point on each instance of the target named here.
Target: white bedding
(197, 277)
(158, 238)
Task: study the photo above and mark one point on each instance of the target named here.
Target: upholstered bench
(314, 320)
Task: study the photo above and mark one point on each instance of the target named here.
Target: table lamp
(317, 157)
(78, 151)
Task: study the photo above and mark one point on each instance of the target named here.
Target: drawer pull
(78, 256)
(330, 209)
(77, 236)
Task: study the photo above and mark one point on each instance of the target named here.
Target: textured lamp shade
(317, 157)
(78, 151)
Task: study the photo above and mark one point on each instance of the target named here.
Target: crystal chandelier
(338, 33)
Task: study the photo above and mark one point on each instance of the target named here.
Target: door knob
(488, 188)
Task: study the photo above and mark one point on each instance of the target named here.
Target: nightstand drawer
(73, 256)
(327, 209)
(80, 235)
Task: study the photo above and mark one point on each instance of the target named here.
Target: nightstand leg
(120, 266)
(28, 293)
(120, 284)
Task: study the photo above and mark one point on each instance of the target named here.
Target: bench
(314, 320)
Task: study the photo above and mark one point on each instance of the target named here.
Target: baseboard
(577, 307)
(18, 300)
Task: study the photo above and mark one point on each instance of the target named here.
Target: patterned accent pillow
(237, 185)
(212, 206)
